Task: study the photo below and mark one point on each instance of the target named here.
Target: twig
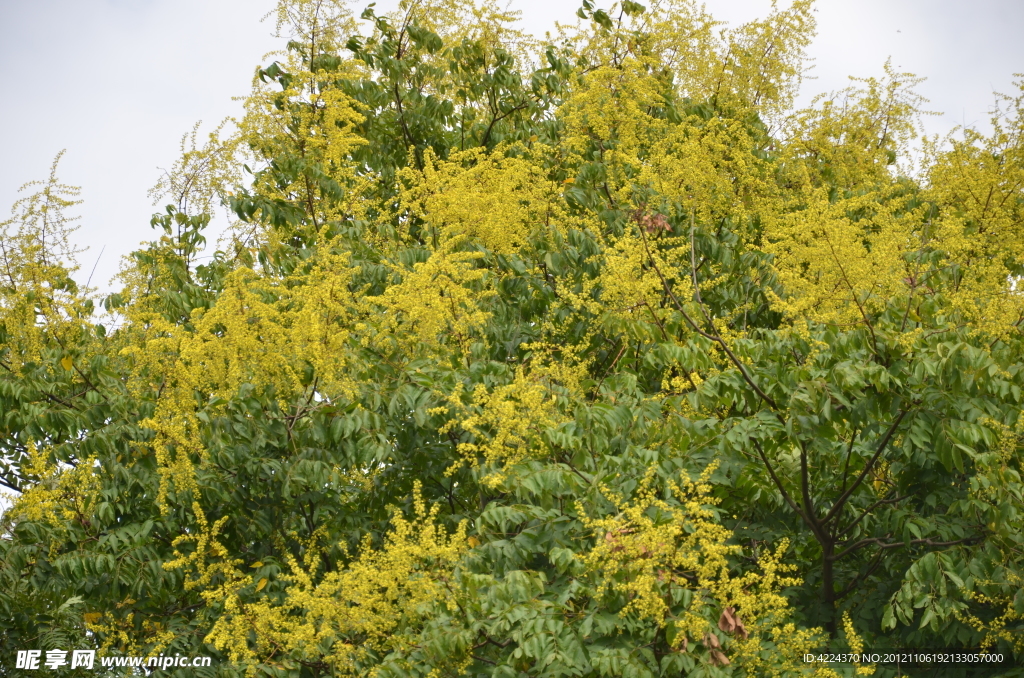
(867, 468)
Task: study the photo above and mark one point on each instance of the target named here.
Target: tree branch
(872, 566)
(713, 337)
(882, 545)
(867, 468)
(871, 508)
(775, 479)
(805, 483)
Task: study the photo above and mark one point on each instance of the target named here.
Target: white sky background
(117, 82)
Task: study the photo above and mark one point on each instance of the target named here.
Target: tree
(589, 357)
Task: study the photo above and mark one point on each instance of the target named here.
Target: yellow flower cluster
(59, 493)
(435, 302)
(40, 304)
(368, 605)
(652, 547)
(856, 645)
(261, 332)
(505, 423)
(1004, 626)
(485, 198)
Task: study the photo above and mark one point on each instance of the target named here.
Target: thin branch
(711, 324)
(9, 486)
(498, 118)
(846, 466)
(481, 659)
(867, 468)
(775, 479)
(657, 321)
(52, 398)
(93, 272)
(895, 545)
(713, 337)
(872, 566)
(868, 510)
(805, 481)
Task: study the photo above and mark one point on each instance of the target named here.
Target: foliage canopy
(582, 357)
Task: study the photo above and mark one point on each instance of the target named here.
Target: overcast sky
(117, 82)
